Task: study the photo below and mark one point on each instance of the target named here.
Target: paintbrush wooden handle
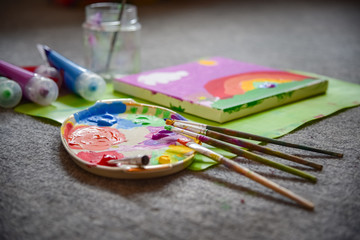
(247, 173)
(250, 136)
(249, 155)
(269, 140)
(240, 152)
(262, 149)
(243, 143)
(265, 182)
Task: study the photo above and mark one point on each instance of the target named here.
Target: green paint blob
(142, 120)
(158, 112)
(145, 109)
(146, 120)
(133, 109)
(167, 127)
(166, 114)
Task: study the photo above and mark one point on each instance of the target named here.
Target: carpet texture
(44, 195)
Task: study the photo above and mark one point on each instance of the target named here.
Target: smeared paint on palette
(116, 129)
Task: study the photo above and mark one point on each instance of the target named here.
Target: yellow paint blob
(207, 62)
(179, 149)
(164, 159)
(174, 153)
(202, 98)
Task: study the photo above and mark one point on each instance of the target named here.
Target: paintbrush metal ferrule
(201, 128)
(200, 149)
(140, 160)
(192, 128)
(182, 131)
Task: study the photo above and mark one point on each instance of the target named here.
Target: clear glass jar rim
(109, 12)
(104, 5)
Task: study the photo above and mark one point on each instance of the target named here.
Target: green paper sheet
(279, 121)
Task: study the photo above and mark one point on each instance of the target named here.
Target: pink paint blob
(92, 137)
(100, 158)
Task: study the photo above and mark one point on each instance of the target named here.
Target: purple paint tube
(35, 87)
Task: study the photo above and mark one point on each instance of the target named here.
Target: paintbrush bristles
(169, 122)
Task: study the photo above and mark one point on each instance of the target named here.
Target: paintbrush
(259, 138)
(240, 152)
(246, 172)
(113, 40)
(140, 160)
(241, 143)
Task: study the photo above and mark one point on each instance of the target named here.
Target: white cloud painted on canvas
(153, 79)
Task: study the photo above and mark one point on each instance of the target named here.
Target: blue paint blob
(100, 108)
(103, 120)
(126, 124)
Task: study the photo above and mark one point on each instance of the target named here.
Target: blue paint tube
(81, 81)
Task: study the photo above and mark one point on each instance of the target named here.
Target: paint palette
(119, 129)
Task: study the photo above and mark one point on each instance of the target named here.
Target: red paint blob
(92, 137)
(67, 130)
(100, 158)
(183, 141)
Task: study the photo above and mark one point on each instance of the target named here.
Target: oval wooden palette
(115, 129)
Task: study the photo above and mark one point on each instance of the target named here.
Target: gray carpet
(44, 195)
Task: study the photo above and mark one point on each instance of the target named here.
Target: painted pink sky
(198, 75)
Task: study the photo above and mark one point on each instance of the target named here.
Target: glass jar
(112, 46)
